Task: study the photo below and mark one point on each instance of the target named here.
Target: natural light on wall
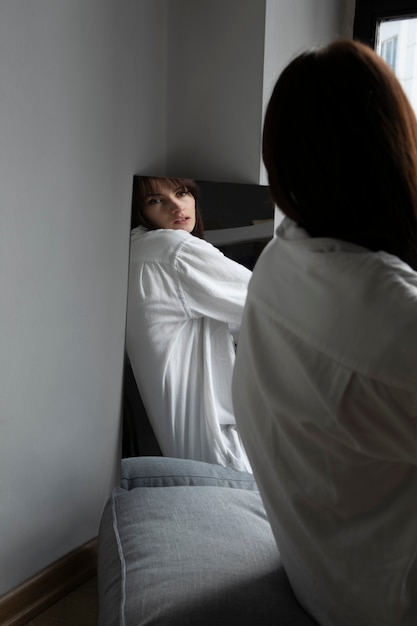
(396, 42)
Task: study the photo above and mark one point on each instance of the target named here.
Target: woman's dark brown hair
(340, 149)
(144, 186)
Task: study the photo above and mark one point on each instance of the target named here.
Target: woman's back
(325, 364)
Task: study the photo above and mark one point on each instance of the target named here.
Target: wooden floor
(79, 608)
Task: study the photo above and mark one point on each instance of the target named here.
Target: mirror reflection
(193, 246)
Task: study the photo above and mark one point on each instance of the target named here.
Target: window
(390, 27)
(387, 48)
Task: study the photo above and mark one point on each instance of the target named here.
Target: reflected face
(170, 207)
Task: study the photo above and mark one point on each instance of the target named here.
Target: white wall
(82, 107)
(92, 91)
(215, 78)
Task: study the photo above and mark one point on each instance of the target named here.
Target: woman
(185, 301)
(325, 382)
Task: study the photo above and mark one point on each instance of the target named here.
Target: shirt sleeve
(211, 284)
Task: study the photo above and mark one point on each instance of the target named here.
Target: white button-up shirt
(325, 395)
(185, 301)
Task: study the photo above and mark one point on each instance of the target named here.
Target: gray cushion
(163, 472)
(191, 556)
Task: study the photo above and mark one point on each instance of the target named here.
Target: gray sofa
(186, 543)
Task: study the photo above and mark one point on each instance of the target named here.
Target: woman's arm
(212, 285)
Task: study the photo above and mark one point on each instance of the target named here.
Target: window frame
(369, 12)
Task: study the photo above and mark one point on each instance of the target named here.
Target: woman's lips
(181, 220)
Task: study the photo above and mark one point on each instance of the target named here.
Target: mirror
(238, 219)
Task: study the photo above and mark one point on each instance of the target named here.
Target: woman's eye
(154, 200)
(181, 194)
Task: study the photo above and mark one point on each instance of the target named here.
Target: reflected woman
(185, 305)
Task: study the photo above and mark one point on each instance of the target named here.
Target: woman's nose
(175, 206)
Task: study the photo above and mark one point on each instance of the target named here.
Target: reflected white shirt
(185, 300)
(325, 395)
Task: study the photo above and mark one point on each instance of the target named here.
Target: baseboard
(32, 597)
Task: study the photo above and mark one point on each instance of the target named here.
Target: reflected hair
(144, 186)
(340, 149)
